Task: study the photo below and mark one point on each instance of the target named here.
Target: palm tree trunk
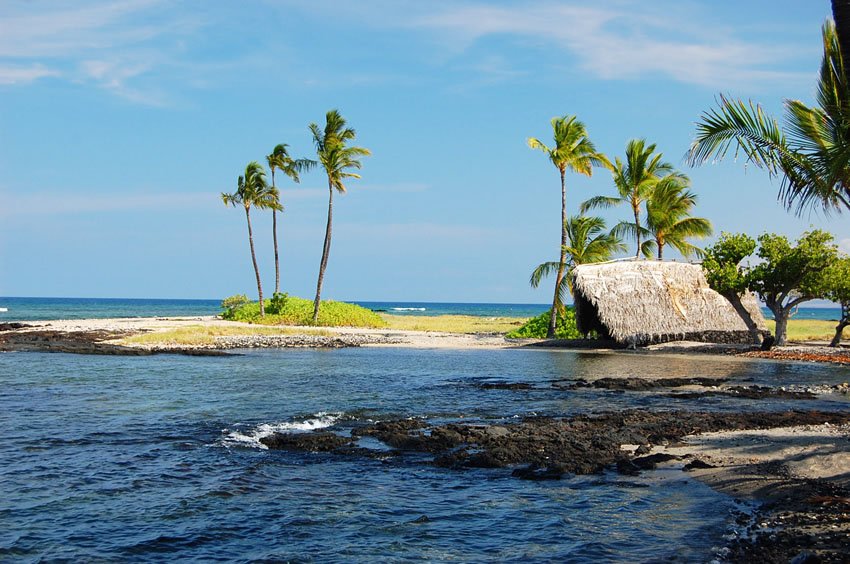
(254, 260)
(550, 331)
(637, 228)
(325, 252)
(274, 238)
(660, 245)
(841, 15)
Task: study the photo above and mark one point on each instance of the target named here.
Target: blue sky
(123, 120)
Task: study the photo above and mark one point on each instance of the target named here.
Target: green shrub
(278, 303)
(536, 327)
(284, 309)
(231, 304)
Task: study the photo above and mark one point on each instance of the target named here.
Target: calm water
(156, 459)
(24, 309)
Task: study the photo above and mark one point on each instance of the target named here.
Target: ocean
(30, 309)
(151, 459)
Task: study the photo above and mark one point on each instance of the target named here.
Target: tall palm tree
(669, 220)
(587, 242)
(634, 179)
(812, 153)
(252, 190)
(572, 151)
(336, 158)
(280, 159)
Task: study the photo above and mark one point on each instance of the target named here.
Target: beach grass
(453, 323)
(195, 335)
(809, 329)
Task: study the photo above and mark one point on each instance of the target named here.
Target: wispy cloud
(617, 39)
(114, 44)
(15, 75)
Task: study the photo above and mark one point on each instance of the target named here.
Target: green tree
(336, 158)
(281, 160)
(669, 220)
(573, 151)
(252, 190)
(726, 276)
(790, 275)
(837, 289)
(634, 179)
(811, 155)
(587, 242)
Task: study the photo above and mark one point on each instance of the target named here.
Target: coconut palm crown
(588, 242)
(573, 151)
(811, 154)
(634, 179)
(669, 220)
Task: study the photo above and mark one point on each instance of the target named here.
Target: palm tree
(634, 179)
(668, 218)
(812, 154)
(252, 190)
(573, 151)
(336, 158)
(280, 159)
(588, 242)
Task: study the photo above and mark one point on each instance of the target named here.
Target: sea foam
(251, 437)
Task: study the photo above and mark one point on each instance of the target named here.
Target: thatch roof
(645, 301)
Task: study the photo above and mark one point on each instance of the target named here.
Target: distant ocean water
(32, 309)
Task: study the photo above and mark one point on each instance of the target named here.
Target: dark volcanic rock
(639, 384)
(312, 442)
(697, 464)
(747, 392)
(504, 386)
(13, 326)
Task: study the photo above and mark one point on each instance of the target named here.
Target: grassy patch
(809, 329)
(290, 310)
(452, 323)
(205, 335)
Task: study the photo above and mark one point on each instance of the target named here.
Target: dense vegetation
(537, 327)
(283, 309)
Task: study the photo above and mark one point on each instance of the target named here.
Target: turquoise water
(24, 309)
(157, 459)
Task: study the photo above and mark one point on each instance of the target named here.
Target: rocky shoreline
(799, 517)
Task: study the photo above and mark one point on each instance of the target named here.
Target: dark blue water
(156, 459)
(24, 309)
(31, 309)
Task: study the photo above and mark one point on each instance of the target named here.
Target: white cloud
(16, 75)
(844, 246)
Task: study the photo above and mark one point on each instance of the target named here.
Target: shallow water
(156, 458)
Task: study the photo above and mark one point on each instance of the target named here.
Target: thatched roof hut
(638, 302)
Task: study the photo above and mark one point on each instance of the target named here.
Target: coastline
(799, 476)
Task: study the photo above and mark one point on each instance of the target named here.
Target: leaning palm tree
(588, 242)
(280, 159)
(252, 190)
(336, 158)
(573, 151)
(634, 179)
(812, 153)
(669, 220)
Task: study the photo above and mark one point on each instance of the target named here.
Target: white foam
(251, 437)
(408, 309)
